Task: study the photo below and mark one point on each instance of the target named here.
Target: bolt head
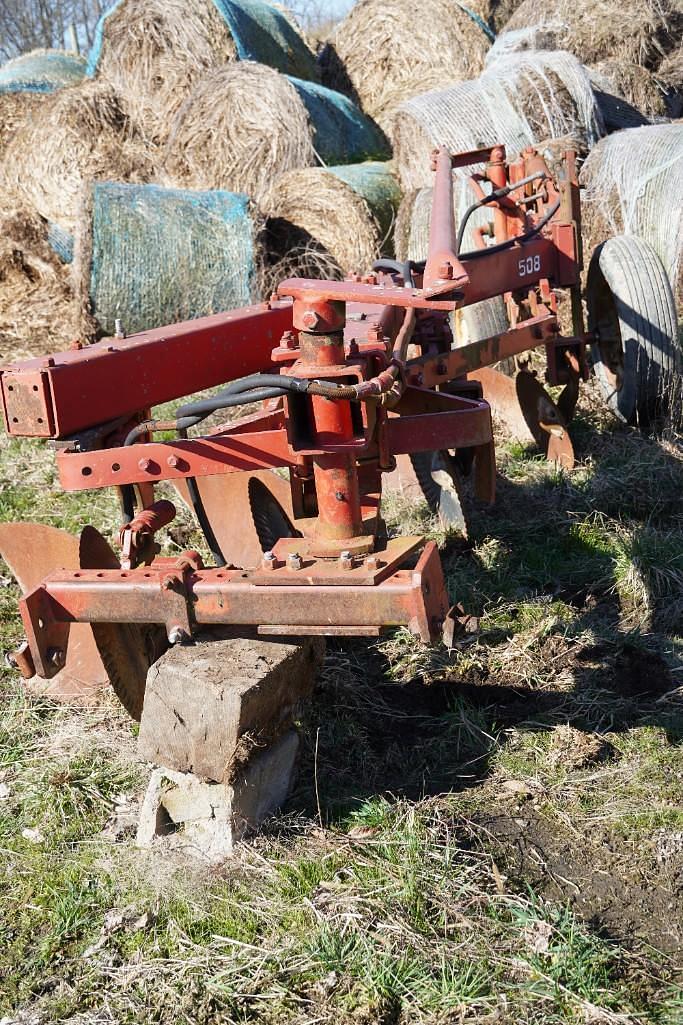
(173, 462)
(310, 319)
(145, 465)
(293, 561)
(372, 562)
(346, 560)
(56, 657)
(176, 635)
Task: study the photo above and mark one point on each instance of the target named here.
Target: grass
(491, 833)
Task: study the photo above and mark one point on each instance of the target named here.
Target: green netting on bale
(61, 242)
(342, 134)
(41, 71)
(153, 256)
(375, 182)
(260, 33)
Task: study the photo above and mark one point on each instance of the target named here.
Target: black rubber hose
(509, 243)
(500, 193)
(395, 266)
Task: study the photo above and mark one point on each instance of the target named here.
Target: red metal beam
(59, 395)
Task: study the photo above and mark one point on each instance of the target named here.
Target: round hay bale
(348, 212)
(41, 71)
(245, 123)
(595, 30)
(631, 82)
(523, 99)
(153, 256)
(670, 78)
(36, 298)
(79, 133)
(633, 185)
(392, 50)
(15, 109)
(154, 51)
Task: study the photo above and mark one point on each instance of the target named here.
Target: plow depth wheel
(632, 314)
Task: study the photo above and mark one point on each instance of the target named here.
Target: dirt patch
(611, 887)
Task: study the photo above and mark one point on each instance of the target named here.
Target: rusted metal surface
(32, 551)
(373, 379)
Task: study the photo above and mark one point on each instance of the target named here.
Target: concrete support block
(208, 705)
(208, 818)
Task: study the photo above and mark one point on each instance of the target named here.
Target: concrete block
(210, 704)
(208, 818)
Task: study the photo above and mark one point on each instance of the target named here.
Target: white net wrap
(520, 99)
(633, 180)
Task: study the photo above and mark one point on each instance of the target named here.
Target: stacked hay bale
(628, 95)
(79, 133)
(153, 256)
(670, 79)
(154, 51)
(633, 183)
(599, 30)
(27, 79)
(522, 99)
(36, 298)
(388, 50)
(340, 215)
(245, 123)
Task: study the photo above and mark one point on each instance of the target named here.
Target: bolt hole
(40, 419)
(100, 574)
(41, 624)
(148, 574)
(115, 466)
(86, 471)
(15, 419)
(35, 387)
(124, 574)
(77, 574)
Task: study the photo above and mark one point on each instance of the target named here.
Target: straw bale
(595, 30)
(670, 77)
(153, 256)
(245, 123)
(392, 50)
(36, 298)
(79, 133)
(630, 82)
(41, 71)
(15, 109)
(348, 211)
(154, 51)
(522, 99)
(633, 185)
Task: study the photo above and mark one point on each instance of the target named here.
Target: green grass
(389, 891)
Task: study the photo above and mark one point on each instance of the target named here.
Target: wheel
(632, 315)
(484, 320)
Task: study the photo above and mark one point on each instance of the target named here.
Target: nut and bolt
(176, 635)
(56, 657)
(310, 319)
(293, 561)
(118, 329)
(446, 271)
(268, 560)
(346, 560)
(372, 562)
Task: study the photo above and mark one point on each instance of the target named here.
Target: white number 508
(531, 265)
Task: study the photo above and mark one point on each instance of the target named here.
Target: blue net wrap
(342, 134)
(154, 256)
(260, 33)
(376, 183)
(60, 242)
(41, 71)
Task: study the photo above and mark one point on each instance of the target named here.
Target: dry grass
(390, 54)
(15, 110)
(596, 30)
(79, 133)
(241, 126)
(36, 297)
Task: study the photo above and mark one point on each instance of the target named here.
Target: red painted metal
(80, 388)
(338, 576)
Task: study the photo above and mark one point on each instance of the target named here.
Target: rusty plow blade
(431, 477)
(528, 412)
(33, 551)
(545, 421)
(244, 509)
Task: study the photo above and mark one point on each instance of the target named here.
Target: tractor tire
(632, 314)
(483, 320)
